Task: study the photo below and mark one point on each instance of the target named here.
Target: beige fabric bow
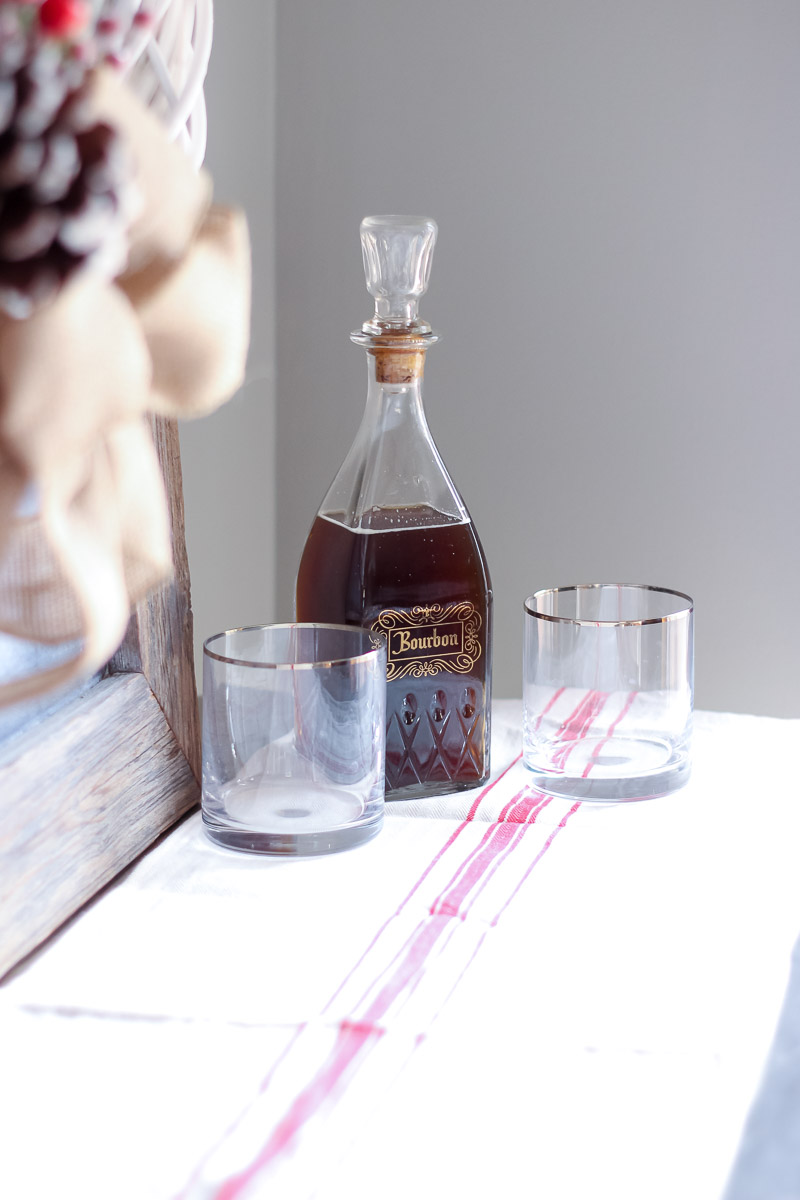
(170, 336)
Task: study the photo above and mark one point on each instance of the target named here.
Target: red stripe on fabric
(436, 859)
(463, 868)
(521, 813)
(622, 713)
(571, 724)
(506, 809)
(432, 910)
(354, 1035)
(420, 939)
(594, 707)
(360, 1026)
(350, 1042)
(579, 720)
(555, 696)
(561, 824)
(446, 934)
(501, 838)
(234, 1125)
(476, 804)
(421, 1037)
(466, 871)
(520, 828)
(436, 908)
(415, 958)
(472, 882)
(575, 729)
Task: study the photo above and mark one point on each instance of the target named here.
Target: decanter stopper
(397, 263)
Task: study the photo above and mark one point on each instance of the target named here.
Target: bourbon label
(430, 638)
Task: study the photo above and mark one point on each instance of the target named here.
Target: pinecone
(64, 178)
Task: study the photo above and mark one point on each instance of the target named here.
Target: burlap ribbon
(168, 336)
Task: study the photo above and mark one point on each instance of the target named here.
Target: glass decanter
(393, 547)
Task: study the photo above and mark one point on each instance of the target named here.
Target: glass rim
(378, 646)
(679, 614)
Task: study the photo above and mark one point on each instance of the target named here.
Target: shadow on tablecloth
(767, 1166)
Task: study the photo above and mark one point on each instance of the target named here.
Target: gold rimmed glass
(293, 738)
(608, 674)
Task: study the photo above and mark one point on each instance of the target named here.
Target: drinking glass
(293, 738)
(608, 690)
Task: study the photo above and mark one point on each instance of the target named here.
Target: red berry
(63, 18)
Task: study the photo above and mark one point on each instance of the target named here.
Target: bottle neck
(394, 386)
(393, 476)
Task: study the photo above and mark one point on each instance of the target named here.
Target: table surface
(503, 994)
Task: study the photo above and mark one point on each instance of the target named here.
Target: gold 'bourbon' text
(428, 639)
(449, 640)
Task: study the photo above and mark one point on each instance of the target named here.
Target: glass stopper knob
(397, 263)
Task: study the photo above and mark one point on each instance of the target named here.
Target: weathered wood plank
(112, 778)
(87, 789)
(159, 641)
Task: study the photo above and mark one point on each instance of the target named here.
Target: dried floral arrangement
(123, 290)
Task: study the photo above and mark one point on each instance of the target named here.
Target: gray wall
(229, 458)
(617, 282)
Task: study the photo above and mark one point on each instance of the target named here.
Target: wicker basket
(166, 63)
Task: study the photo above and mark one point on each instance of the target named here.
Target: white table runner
(504, 992)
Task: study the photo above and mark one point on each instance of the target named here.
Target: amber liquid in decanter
(419, 577)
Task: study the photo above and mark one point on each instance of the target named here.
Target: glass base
(426, 791)
(289, 819)
(609, 770)
(290, 845)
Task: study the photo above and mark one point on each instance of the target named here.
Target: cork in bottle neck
(397, 365)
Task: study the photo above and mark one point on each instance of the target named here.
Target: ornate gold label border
(430, 638)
